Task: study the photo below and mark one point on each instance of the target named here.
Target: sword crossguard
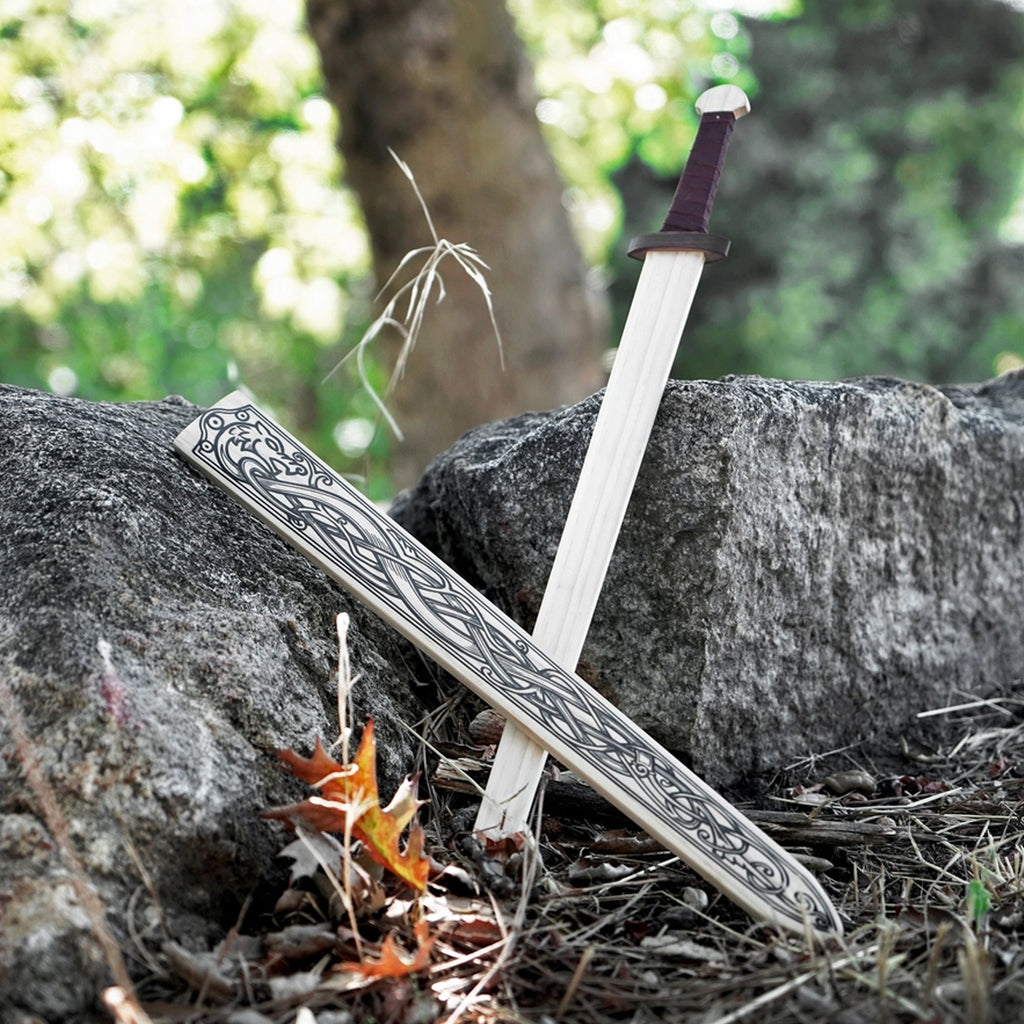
(688, 216)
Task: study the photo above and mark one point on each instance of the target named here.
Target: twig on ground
(120, 1000)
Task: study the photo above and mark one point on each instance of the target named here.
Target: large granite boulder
(803, 565)
(161, 643)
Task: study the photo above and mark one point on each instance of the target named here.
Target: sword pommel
(723, 99)
(686, 226)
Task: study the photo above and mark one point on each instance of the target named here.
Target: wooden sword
(673, 259)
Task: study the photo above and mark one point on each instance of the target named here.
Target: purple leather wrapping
(695, 194)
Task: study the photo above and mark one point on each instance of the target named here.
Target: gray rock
(222, 647)
(803, 565)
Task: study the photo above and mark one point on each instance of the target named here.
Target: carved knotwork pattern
(285, 483)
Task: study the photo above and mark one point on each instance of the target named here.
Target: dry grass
(407, 305)
(119, 999)
(591, 924)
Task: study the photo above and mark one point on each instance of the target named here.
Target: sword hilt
(686, 226)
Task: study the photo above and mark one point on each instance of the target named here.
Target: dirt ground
(588, 921)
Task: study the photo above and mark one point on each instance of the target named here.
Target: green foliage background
(171, 212)
(873, 199)
(172, 217)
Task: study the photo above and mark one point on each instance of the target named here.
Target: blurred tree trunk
(447, 86)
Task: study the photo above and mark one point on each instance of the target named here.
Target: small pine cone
(485, 730)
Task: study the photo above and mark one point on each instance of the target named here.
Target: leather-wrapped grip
(695, 193)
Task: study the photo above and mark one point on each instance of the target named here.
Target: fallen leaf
(351, 803)
(300, 940)
(294, 986)
(623, 842)
(315, 852)
(309, 853)
(201, 971)
(680, 947)
(392, 964)
(594, 870)
(467, 922)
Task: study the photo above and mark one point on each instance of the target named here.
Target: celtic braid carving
(285, 484)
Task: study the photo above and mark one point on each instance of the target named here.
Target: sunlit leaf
(392, 963)
(350, 804)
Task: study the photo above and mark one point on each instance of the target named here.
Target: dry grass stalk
(416, 295)
(344, 689)
(120, 999)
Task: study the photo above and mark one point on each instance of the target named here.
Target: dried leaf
(300, 940)
(309, 853)
(202, 971)
(314, 852)
(294, 986)
(466, 922)
(678, 946)
(391, 963)
(351, 803)
(624, 842)
(591, 870)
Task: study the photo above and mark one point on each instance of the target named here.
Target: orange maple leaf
(391, 963)
(351, 803)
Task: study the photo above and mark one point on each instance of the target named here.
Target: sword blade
(247, 454)
(660, 307)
